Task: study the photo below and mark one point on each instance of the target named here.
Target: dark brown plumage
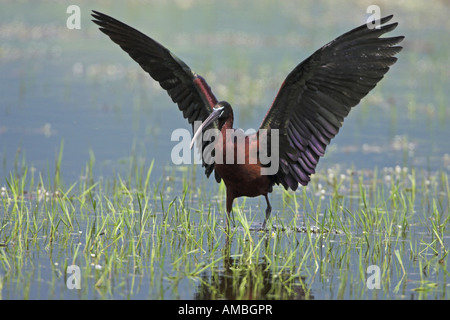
(308, 110)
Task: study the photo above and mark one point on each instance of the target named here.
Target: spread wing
(318, 94)
(189, 90)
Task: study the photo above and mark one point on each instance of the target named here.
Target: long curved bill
(212, 117)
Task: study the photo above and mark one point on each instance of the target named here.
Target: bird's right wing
(189, 90)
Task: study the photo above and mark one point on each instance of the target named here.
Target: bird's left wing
(318, 94)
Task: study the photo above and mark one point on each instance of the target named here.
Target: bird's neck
(226, 124)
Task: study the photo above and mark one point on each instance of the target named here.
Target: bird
(306, 114)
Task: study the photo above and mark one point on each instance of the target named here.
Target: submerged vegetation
(372, 224)
(132, 237)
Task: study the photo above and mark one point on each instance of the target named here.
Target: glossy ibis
(307, 112)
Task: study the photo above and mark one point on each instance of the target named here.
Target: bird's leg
(268, 211)
(230, 215)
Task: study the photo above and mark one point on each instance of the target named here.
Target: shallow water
(76, 86)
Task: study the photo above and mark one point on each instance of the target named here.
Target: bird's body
(306, 114)
(242, 177)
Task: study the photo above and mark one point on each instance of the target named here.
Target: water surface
(78, 88)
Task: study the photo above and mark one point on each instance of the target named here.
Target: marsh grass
(140, 236)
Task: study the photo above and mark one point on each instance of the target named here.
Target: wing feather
(319, 93)
(186, 88)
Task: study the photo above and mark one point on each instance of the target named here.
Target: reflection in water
(238, 280)
(63, 85)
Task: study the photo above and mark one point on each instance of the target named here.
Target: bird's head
(222, 112)
(225, 114)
